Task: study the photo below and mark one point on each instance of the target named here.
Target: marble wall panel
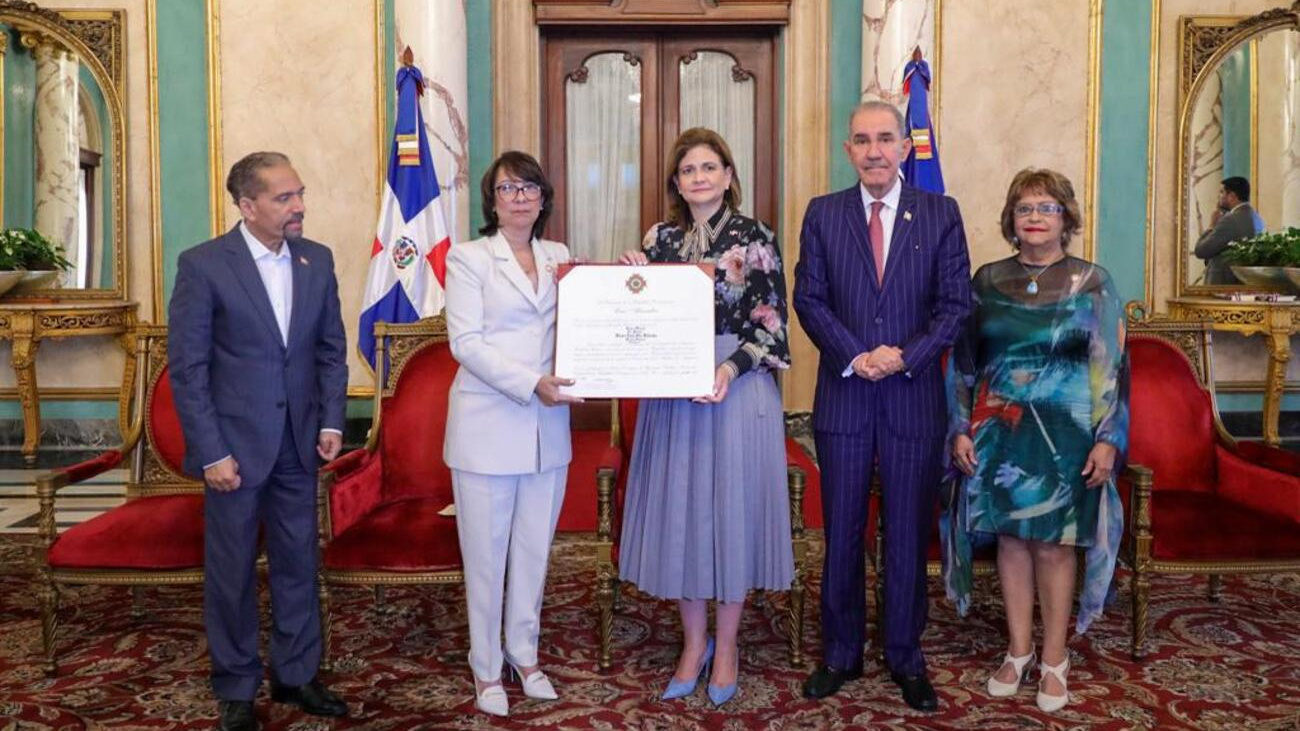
(891, 29)
(301, 80)
(1277, 185)
(56, 145)
(1014, 95)
(1205, 161)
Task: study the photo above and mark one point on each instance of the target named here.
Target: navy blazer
(232, 375)
(920, 307)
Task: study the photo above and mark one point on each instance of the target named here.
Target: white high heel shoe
(1053, 703)
(536, 686)
(1022, 664)
(492, 700)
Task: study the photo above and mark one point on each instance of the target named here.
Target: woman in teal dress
(1038, 420)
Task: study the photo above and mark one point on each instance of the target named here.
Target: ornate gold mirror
(62, 132)
(1239, 117)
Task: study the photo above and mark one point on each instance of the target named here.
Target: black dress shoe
(312, 698)
(236, 716)
(826, 680)
(917, 691)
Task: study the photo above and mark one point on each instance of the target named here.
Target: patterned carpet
(1231, 665)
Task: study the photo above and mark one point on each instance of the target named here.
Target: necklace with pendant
(1032, 287)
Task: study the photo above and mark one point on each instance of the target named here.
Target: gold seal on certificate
(635, 331)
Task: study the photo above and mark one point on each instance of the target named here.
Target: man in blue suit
(882, 288)
(256, 351)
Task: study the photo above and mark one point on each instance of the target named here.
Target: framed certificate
(635, 331)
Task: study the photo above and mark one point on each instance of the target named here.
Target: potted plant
(1271, 259)
(29, 259)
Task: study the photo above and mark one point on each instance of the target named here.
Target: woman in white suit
(507, 438)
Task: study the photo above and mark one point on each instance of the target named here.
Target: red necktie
(876, 232)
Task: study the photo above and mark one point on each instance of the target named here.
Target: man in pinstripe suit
(882, 288)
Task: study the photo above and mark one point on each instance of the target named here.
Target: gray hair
(876, 105)
(245, 179)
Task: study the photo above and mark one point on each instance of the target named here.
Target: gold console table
(28, 323)
(1276, 320)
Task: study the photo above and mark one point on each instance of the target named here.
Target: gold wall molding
(1153, 105)
(806, 139)
(155, 158)
(67, 393)
(1096, 17)
(217, 203)
(936, 87)
(4, 49)
(381, 103)
(101, 31)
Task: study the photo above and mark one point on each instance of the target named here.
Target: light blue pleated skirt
(707, 514)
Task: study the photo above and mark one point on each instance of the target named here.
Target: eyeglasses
(1044, 209)
(511, 191)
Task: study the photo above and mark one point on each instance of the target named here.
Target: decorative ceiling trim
(662, 12)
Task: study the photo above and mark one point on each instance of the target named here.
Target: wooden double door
(615, 102)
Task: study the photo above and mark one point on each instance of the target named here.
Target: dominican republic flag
(921, 168)
(408, 260)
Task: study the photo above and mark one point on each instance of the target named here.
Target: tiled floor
(18, 506)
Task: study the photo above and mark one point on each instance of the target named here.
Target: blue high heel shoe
(682, 688)
(720, 694)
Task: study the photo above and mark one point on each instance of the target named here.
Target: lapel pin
(303, 260)
(907, 215)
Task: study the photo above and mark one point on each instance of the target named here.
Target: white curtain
(603, 115)
(711, 97)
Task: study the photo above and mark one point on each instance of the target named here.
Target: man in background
(1234, 220)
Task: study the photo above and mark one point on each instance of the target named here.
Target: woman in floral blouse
(707, 514)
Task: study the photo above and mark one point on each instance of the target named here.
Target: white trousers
(505, 524)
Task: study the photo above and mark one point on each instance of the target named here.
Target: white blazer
(503, 336)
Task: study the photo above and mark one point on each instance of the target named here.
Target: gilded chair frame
(149, 475)
(1194, 340)
(395, 346)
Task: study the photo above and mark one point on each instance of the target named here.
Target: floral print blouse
(749, 288)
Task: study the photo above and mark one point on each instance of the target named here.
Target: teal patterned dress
(1036, 381)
